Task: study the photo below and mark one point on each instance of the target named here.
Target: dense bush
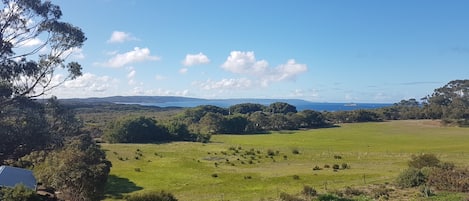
(18, 193)
(424, 160)
(411, 177)
(152, 196)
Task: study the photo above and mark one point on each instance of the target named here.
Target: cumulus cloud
(159, 77)
(195, 59)
(120, 37)
(90, 82)
(242, 83)
(246, 63)
(134, 56)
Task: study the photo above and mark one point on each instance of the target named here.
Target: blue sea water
(302, 105)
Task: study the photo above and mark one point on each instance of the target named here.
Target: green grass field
(239, 167)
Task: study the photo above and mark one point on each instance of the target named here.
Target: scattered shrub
(337, 157)
(381, 192)
(450, 180)
(345, 166)
(138, 170)
(287, 197)
(309, 191)
(296, 177)
(247, 177)
(327, 166)
(270, 152)
(410, 177)
(349, 191)
(152, 196)
(316, 168)
(295, 151)
(335, 166)
(214, 175)
(424, 160)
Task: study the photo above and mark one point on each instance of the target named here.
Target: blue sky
(322, 51)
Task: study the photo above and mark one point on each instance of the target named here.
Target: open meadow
(261, 166)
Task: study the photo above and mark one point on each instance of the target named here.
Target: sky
(364, 51)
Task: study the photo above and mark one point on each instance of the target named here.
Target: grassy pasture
(239, 167)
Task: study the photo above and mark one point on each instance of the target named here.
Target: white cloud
(242, 83)
(120, 37)
(195, 59)
(288, 71)
(90, 82)
(76, 53)
(245, 63)
(136, 55)
(183, 70)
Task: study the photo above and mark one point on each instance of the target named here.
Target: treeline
(199, 123)
(449, 103)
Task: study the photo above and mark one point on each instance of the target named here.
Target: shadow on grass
(116, 187)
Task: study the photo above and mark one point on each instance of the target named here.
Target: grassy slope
(376, 151)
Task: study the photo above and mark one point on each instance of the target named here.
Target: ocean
(300, 105)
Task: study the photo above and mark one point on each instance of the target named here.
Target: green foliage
(246, 108)
(424, 160)
(36, 76)
(18, 193)
(281, 107)
(137, 130)
(411, 177)
(79, 170)
(152, 196)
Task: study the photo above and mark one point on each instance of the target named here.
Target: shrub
(18, 193)
(296, 177)
(411, 177)
(295, 151)
(424, 160)
(316, 168)
(309, 191)
(335, 166)
(270, 152)
(137, 170)
(214, 175)
(345, 166)
(152, 196)
(450, 180)
(352, 191)
(287, 197)
(337, 157)
(327, 166)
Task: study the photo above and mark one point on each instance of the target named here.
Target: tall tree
(450, 101)
(28, 28)
(79, 170)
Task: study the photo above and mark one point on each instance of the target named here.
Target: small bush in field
(335, 166)
(309, 191)
(214, 175)
(295, 151)
(316, 168)
(296, 177)
(411, 177)
(327, 166)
